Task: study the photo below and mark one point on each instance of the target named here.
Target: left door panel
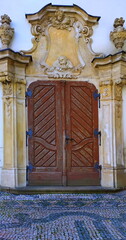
(45, 145)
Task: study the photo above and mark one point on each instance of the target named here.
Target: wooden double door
(62, 117)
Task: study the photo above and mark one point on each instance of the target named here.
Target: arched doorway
(62, 118)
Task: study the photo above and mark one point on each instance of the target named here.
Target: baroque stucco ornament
(62, 68)
(61, 31)
(7, 94)
(60, 20)
(118, 36)
(6, 77)
(6, 32)
(7, 89)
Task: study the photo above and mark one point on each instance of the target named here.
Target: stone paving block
(63, 216)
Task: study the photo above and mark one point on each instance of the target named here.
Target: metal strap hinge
(28, 93)
(29, 168)
(29, 134)
(97, 166)
(97, 96)
(98, 135)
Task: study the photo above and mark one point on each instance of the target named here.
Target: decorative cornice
(52, 8)
(6, 32)
(110, 59)
(15, 56)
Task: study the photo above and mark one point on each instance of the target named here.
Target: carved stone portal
(62, 50)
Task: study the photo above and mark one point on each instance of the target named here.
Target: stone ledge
(59, 189)
(15, 56)
(110, 59)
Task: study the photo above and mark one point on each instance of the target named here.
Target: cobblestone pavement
(63, 216)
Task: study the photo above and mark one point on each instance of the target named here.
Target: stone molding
(6, 32)
(110, 59)
(17, 57)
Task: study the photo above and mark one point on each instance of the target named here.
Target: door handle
(67, 138)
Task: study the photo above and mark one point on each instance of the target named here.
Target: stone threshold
(59, 189)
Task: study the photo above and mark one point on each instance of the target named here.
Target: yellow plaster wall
(62, 43)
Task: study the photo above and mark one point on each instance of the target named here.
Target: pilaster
(12, 76)
(111, 70)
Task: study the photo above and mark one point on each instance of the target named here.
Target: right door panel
(81, 144)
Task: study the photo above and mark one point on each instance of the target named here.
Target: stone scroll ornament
(63, 22)
(118, 35)
(6, 32)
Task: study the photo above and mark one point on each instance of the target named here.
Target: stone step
(60, 189)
